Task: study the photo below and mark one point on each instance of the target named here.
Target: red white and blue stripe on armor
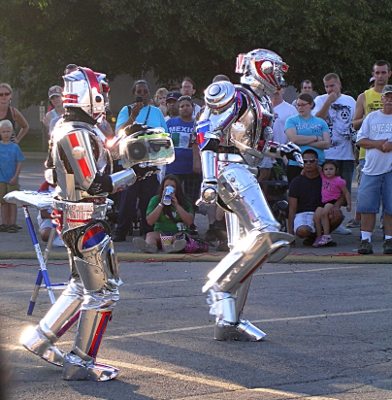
(105, 317)
(93, 236)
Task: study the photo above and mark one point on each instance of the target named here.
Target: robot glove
(101, 184)
(292, 152)
(142, 173)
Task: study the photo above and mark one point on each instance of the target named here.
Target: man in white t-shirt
(337, 110)
(282, 111)
(375, 136)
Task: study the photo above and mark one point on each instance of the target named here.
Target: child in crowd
(332, 188)
(11, 158)
(160, 100)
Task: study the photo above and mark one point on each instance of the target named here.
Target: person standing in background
(11, 113)
(172, 105)
(306, 86)
(337, 109)
(180, 129)
(367, 102)
(188, 88)
(143, 190)
(11, 158)
(55, 95)
(307, 132)
(375, 136)
(160, 100)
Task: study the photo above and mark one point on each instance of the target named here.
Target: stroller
(277, 186)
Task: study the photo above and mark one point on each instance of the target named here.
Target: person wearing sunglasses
(305, 197)
(307, 132)
(11, 113)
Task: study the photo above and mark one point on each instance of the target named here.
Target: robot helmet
(83, 88)
(262, 70)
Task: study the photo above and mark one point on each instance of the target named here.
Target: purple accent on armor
(93, 236)
(99, 334)
(68, 325)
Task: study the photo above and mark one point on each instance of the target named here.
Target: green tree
(200, 39)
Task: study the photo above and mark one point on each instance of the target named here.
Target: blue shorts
(370, 192)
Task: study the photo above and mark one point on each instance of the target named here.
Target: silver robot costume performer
(234, 134)
(80, 161)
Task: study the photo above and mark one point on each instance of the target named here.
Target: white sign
(41, 113)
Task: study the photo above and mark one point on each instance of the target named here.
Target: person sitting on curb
(333, 186)
(305, 197)
(168, 220)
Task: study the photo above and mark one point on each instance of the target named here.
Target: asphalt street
(328, 335)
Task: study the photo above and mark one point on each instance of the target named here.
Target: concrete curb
(351, 258)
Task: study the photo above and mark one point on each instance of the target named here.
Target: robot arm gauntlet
(272, 149)
(290, 150)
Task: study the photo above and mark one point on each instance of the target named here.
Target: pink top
(330, 189)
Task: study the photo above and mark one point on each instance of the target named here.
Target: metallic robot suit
(80, 161)
(234, 133)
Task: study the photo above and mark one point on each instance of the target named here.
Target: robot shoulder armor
(220, 95)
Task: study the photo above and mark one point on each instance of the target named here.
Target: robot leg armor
(80, 363)
(97, 266)
(261, 240)
(95, 258)
(61, 316)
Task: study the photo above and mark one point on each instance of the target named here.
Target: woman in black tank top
(11, 113)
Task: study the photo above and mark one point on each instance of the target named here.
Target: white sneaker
(142, 245)
(57, 242)
(341, 230)
(176, 246)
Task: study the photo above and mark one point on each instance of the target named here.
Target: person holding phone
(141, 112)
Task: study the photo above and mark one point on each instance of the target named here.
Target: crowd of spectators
(333, 130)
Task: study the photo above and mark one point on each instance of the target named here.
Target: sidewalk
(19, 245)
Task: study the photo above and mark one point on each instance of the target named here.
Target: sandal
(13, 229)
(4, 228)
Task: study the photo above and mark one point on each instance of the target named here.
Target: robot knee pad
(246, 257)
(95, 258)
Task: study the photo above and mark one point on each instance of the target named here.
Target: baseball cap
(372, 79)
(386, 89)
(173, 96)
(55, 91)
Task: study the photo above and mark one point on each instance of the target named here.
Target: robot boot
(228, 325)
(59, 319)
(230, 280)
(80, 363)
